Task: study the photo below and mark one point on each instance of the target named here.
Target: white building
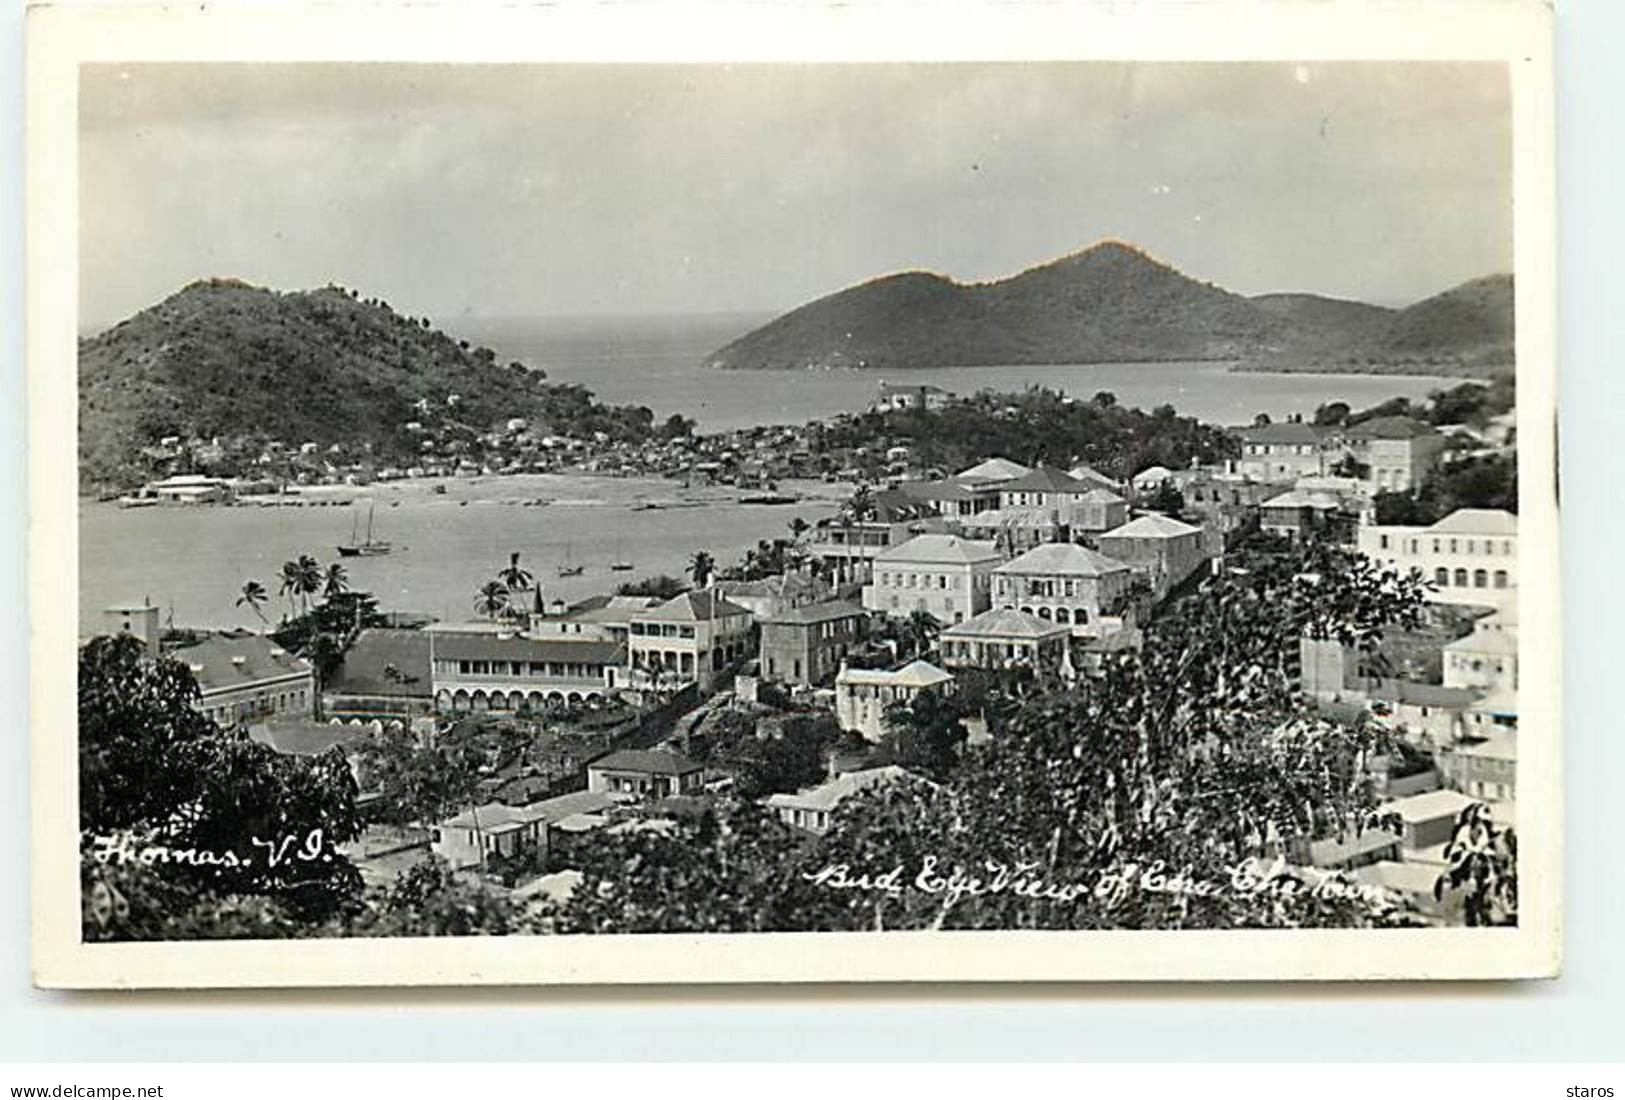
(245, 678)
(812, 807)
(689, 638)
(1488, 657)
(1064, 583)
(475, 672)
(1471, 555)
(863, 694)
(944, 575)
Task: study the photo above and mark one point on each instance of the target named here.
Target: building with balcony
(1007, 638)
(1066, 584)
(863, 694)
(691, 638)
(475, 672)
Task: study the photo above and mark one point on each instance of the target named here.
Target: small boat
(439, 490)
(569, 569)
(620, 564)
(370, 548)
(768, 498)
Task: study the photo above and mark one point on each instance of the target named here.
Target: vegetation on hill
(250, 366)
(1113, 303)
(1039, 426)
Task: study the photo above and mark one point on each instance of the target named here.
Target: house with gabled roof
(1006, 638)
(1162, 549)
(813, 807)
(1045, 487)
(244, 678)
(1064, 583)
(691, 638)
(645, 773)
(944, 575)
(1282, 452)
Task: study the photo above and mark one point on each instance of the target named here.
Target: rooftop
(1005, 622)
(362, 671)
(691, 607)
(818, 613)
(917, 674)
(1152, 525)
(933, 549)
(306, 736)
(1281, 434)
(1047, 479)
(826, 796)
(993, 469)
(478, 647)
(1063, 558)
(1390, 427)
(652, 761)
(1501, 744)
(1477, 521)
(1427, 806)
(1301, 498)
(224, 661)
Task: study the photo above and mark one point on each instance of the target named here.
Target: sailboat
(620, 564)
(366, 549)
(568, 569)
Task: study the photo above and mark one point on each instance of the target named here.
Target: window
(1461, 578)
(1481, 579)
(1441, 577)
(1382, 542)
(1500, 578)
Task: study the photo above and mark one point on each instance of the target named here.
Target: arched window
(1062, 615)
(1481, 579)
(1461, 578)
(1441, 577)
(1500, 578)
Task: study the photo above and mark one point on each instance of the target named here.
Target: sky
(495, 190)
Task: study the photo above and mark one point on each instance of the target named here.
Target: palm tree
(862, 504)
(798, 527)
(335, 583)
(254, 595)
(310, 579)
(701, 568)
(290, 583)
(492, 600)
(514, 577)
(921, 629)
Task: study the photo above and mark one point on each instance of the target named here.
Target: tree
(659, 586)
(291, 582)
(1167, 499)
(921, 629)
(515, 578)
(926, 734)
(335, 583)
(209, 809)
(492, 600)
(701, 568)
(1349, 466)
(1332, 414)
(861, 505)
(1262, 420)
(1481, 861)
(253, 595)
(418, 785)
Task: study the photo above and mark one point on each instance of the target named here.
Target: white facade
(1470, 556)
(944, 575)
(862, 695)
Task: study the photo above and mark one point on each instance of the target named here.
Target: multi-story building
(1399, 450)
(1488, 657)
(1282, 452)
(604, 618)
(1006, 638)
(1471, 555)
(806, 645)
(1064, 583)
(245, 678)
(851, 545)
(893, 396)
(945, 575)
(1300, 514)
(689, 638)
(483, 672)
(1484, 767)
(1164, 550)
(1044, 487)
(863, 694)
(771, 596)
(992, 471)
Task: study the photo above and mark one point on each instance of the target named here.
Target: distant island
(1112, 303)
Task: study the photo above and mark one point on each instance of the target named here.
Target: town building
(771, 596)
(1282, 452)
(1471, 555)
(497, 831)
(139, 621)
(851, 545)
(1484, 768)
(596, 618)
(944, 575)
(992, 471)
(811, 809)
(693, 637)
(805, 646)
(1007, 638)
(245, 678)
(1488, 657)
(1165, 551)
(190, 489)
(894, 396)
(1045, 487)
(1300, 514)
(1428, 819)
(1064, 583)
(645, 774)
(954, 499)
(862, 695)
(1399, 450)
(475, 672)
(385, 674)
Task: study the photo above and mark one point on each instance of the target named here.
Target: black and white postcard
(793, 494)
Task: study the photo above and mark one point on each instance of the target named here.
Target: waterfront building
(244, 678)
(1471, 555)
(139, 621)
(1165, 551)
(894, 396)
(1064, 583)
(474, 672)
(944, 575)
(1006, 638)
(863, 694)
(190, 489)
(811, 808)
(692, 637)
(601, 618)
(805, 645)
(645, 773)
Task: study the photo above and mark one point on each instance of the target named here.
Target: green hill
(1114, 303)
(221, 358)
